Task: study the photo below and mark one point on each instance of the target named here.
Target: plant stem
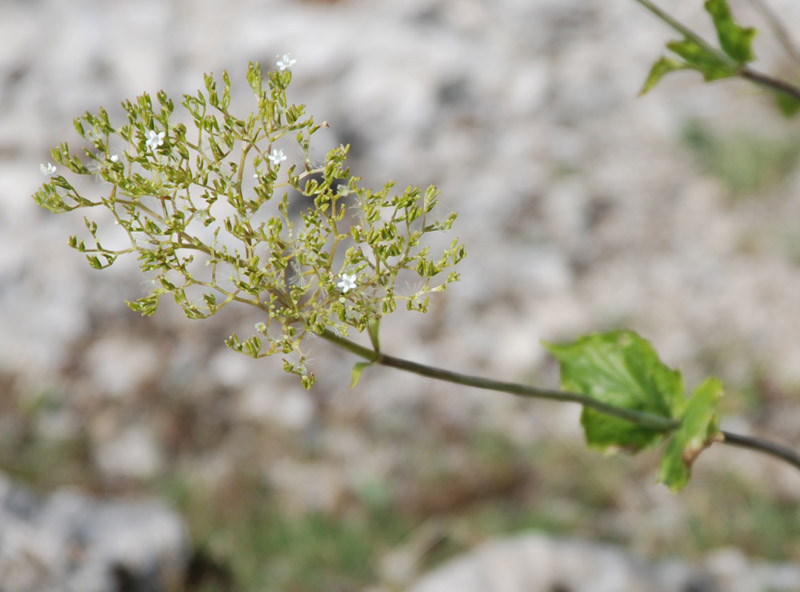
(741, 70)
(769, 82)
(764, 446)
(686, 32)
(781, 32)
(648, 420)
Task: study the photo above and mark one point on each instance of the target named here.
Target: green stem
(686, 32)
(741, 70)
(781, 32)
(656, 422)
(648, 420)
(769, 82)
(781, 452)
(350, 346)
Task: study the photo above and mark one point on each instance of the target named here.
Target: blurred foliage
(244, 527)
(746, 162)
(246, 537)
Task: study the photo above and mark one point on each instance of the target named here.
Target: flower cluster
(154, 140)
(209, 235)
(276, 157)
(285, 62)
(347, 283)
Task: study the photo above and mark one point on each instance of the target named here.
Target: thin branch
(742, 71)
(763, 446)
(649, 420)
(769, 82)
(686, 32)
(777, 27)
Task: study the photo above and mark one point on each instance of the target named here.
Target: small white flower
(347, 283)
(47, 169)
(276, 157)
(113, 158)
(261, 327)
(154, 140)
(285, 62)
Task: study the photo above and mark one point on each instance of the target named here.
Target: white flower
(285, 62)
(113, 158)
(261, 327)
(276, 157)
(47, 169)
(154, 140)
(347, 283)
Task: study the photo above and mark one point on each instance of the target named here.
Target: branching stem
(764, 446)
(649, 420)
(685, 31)
(781, 32)
(742, 71)
(769, 82)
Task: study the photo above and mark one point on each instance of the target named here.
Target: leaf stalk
(648, 420)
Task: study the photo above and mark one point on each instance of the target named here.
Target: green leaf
(622, 369)
(94, 262)
(698, 430)
(148, 305)
(698, 57)
(736, 41)
(660, 69)
(374, 329)
(788, 105)
(358, 368)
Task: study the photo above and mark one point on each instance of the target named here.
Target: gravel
(580, 207)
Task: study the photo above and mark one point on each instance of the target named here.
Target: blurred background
(582, 207)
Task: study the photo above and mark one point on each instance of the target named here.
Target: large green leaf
(735, 41)
(698, 430)
(622, 369)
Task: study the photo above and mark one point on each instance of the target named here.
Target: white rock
(540, 563)
(131, 453)
(69, 541)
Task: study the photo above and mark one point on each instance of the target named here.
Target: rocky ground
(582, 208)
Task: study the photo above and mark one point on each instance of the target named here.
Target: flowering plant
(212, 214)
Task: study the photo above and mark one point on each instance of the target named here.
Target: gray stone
(541, 563)
(69, 541)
